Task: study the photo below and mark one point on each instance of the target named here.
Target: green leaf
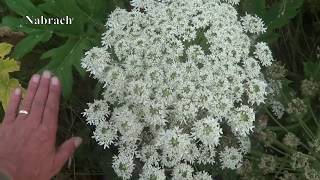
(281, 13)
(64, 58)
(17, 24)
(84, 33)
(28, 43)
(24, 7)
(51, 7)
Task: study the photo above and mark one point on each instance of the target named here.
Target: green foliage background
(293, 33)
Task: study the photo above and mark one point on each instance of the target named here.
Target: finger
(65, 151)
(51, 111)
(13, 106)
(32, 89)
(40, 98)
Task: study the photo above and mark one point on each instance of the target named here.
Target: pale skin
(28, 142)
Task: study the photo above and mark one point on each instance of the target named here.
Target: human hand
(27, 141)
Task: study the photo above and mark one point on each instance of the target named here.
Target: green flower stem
(290, 127)
(314, 116)
(275, 120)
(278, 150)
(306, 129)
(282, 146)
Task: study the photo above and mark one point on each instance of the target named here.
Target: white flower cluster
(181, 77)
(277, 108)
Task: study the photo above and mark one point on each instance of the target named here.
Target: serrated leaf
(64, 58)
(6, 87)
(7, 65)
(19, 24)
(28, 43)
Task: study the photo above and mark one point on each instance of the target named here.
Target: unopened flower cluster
(182, 77)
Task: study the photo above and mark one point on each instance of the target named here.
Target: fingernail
(35, 78)
(46, 74)
(17, 91)
(54, 81)
(77, 141)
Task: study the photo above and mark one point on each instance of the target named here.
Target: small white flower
(245, 144)
(202, 176)
(174, 141)
(256, 91)
(242, 121)
(230, 158)
(192, 154)
(208, 131)
(97, 62)
(263, 53)
(182, 172)
(252, 67)
(126, 123)
(149, 155)
(253, 24)
(105, 134)
(97, 112)
(152, 172)
(277, 108)
(207, 155)
(123, 165)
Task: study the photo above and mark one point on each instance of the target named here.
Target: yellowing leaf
(5, 49)
(7, 65)
(6, 87)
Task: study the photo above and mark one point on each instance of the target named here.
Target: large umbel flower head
(182, 76)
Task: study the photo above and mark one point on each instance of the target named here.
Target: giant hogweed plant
(182, 82)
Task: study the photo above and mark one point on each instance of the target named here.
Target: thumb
(65, 151)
